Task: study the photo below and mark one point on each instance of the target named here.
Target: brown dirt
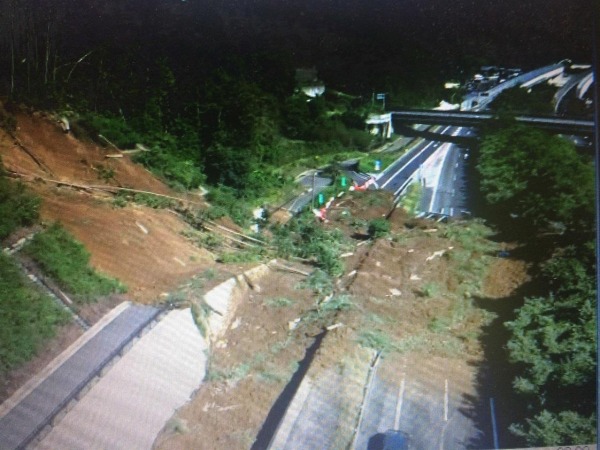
(391, 291)
(394, 290)
(249, 368)
(149, 264)
(142, 247)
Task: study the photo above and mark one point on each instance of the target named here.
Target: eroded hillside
(143, 247)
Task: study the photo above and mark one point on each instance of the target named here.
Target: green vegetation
(378, 228)
(548, 428)
(537, 100)
(545, 185)
(279, 302)
(307, 239)
(17, 206)
(67, 262)
(411, 199)
(537, 177)
(554, 340)
(28, 318)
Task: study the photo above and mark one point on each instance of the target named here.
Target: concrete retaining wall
(218, 306)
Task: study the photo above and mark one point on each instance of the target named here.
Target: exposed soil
(399, 287)
(413, 288)
(142, 247)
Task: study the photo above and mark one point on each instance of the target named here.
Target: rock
(434, 255)
(294, 324)
(236, 323)
(395, 292)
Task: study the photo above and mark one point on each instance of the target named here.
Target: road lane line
(446, 401)
(412, 159)
(439, 175)
(494, 430)
(399, 404)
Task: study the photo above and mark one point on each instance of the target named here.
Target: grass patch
(17, 206)
(232, 375)
(246, 255)
(430, 290)
(336, 303)
(28, 318)
(367, 163)
(411, 200)
(472, 236)
(67, 261)
(318, 281)
(279, 302)
(377, 340)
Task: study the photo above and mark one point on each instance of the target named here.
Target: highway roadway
(444, 181)
(434, 412)
(398, 175)
(440, 168)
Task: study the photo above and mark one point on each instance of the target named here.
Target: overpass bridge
(480, 100)
(563, 125)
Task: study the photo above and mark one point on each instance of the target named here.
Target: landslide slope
(143, 247)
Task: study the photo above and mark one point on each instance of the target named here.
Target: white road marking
(399, 404)
(494, 430)
(446, 401)
(411, 160)
(439, 174)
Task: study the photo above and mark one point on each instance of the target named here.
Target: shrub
(17, 206)
(113, 128)
(378, 228)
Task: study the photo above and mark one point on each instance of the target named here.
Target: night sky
(556, 26)
(346, 40)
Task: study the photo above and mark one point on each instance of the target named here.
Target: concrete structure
(380, 124)
(37, 405)
(480, 99)
(129, 406)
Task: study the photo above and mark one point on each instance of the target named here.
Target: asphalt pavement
(35, 410)
(444, 180)
(398, 175)
(431, 411)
